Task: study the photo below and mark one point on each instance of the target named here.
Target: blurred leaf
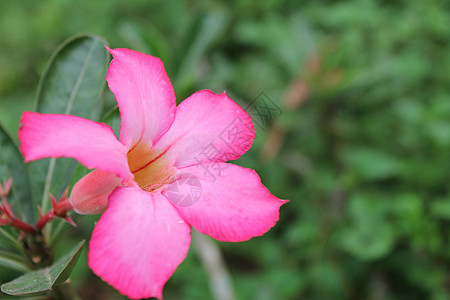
(43, 280)
(72, 83)
(112, 118)
(286, 40)
(325, 280)
(409, 211)
(369, 235)
(11, 240)
(372, 164)
(133, 36)
(441, 209)
(212, 27)
(285, 283)
(439, 131)
(61, 227)
(148, 40)
(368, 241)
(13, 261)
(12, 166)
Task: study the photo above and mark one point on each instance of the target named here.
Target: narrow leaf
(43, 280)
(12, 166)
(210, 29)
(13, 261)
(12, 240)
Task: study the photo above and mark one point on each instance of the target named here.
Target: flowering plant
(168, 171)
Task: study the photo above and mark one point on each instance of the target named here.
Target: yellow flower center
(151, 170)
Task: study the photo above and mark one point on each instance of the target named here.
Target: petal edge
(138, 243)
(234, 206)
(93, 144)
(207, 127)
(144, 93)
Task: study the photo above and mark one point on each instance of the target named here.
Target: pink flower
(166, 172)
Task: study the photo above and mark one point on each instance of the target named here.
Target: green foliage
(43, 280)
(13, 261)
(12, 166)
(72, 83)
(361, 148)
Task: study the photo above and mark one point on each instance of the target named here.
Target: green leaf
(371, 164)
(369, 234)
(368, 241)
(441, 209)
(112, 118)
(12, 240)
(13, 261)
(12, 166)
(46, 279)
(72, 83)
(211, 28)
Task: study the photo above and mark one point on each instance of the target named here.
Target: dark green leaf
(43, 280)
(72, 83)
(12, 166)
(12, 240)
(369, 236)
(13, 261)
(112, 118)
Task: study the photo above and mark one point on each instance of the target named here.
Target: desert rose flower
(144, 232)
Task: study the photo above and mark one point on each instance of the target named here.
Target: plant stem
(38, 251)
(211, 257)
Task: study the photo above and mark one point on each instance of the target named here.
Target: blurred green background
(361, 147)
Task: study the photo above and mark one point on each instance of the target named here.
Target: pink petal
(207, 127)
(144, 93)
(90, 194)
(138, 243)
(92, 144)
(230, 205)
